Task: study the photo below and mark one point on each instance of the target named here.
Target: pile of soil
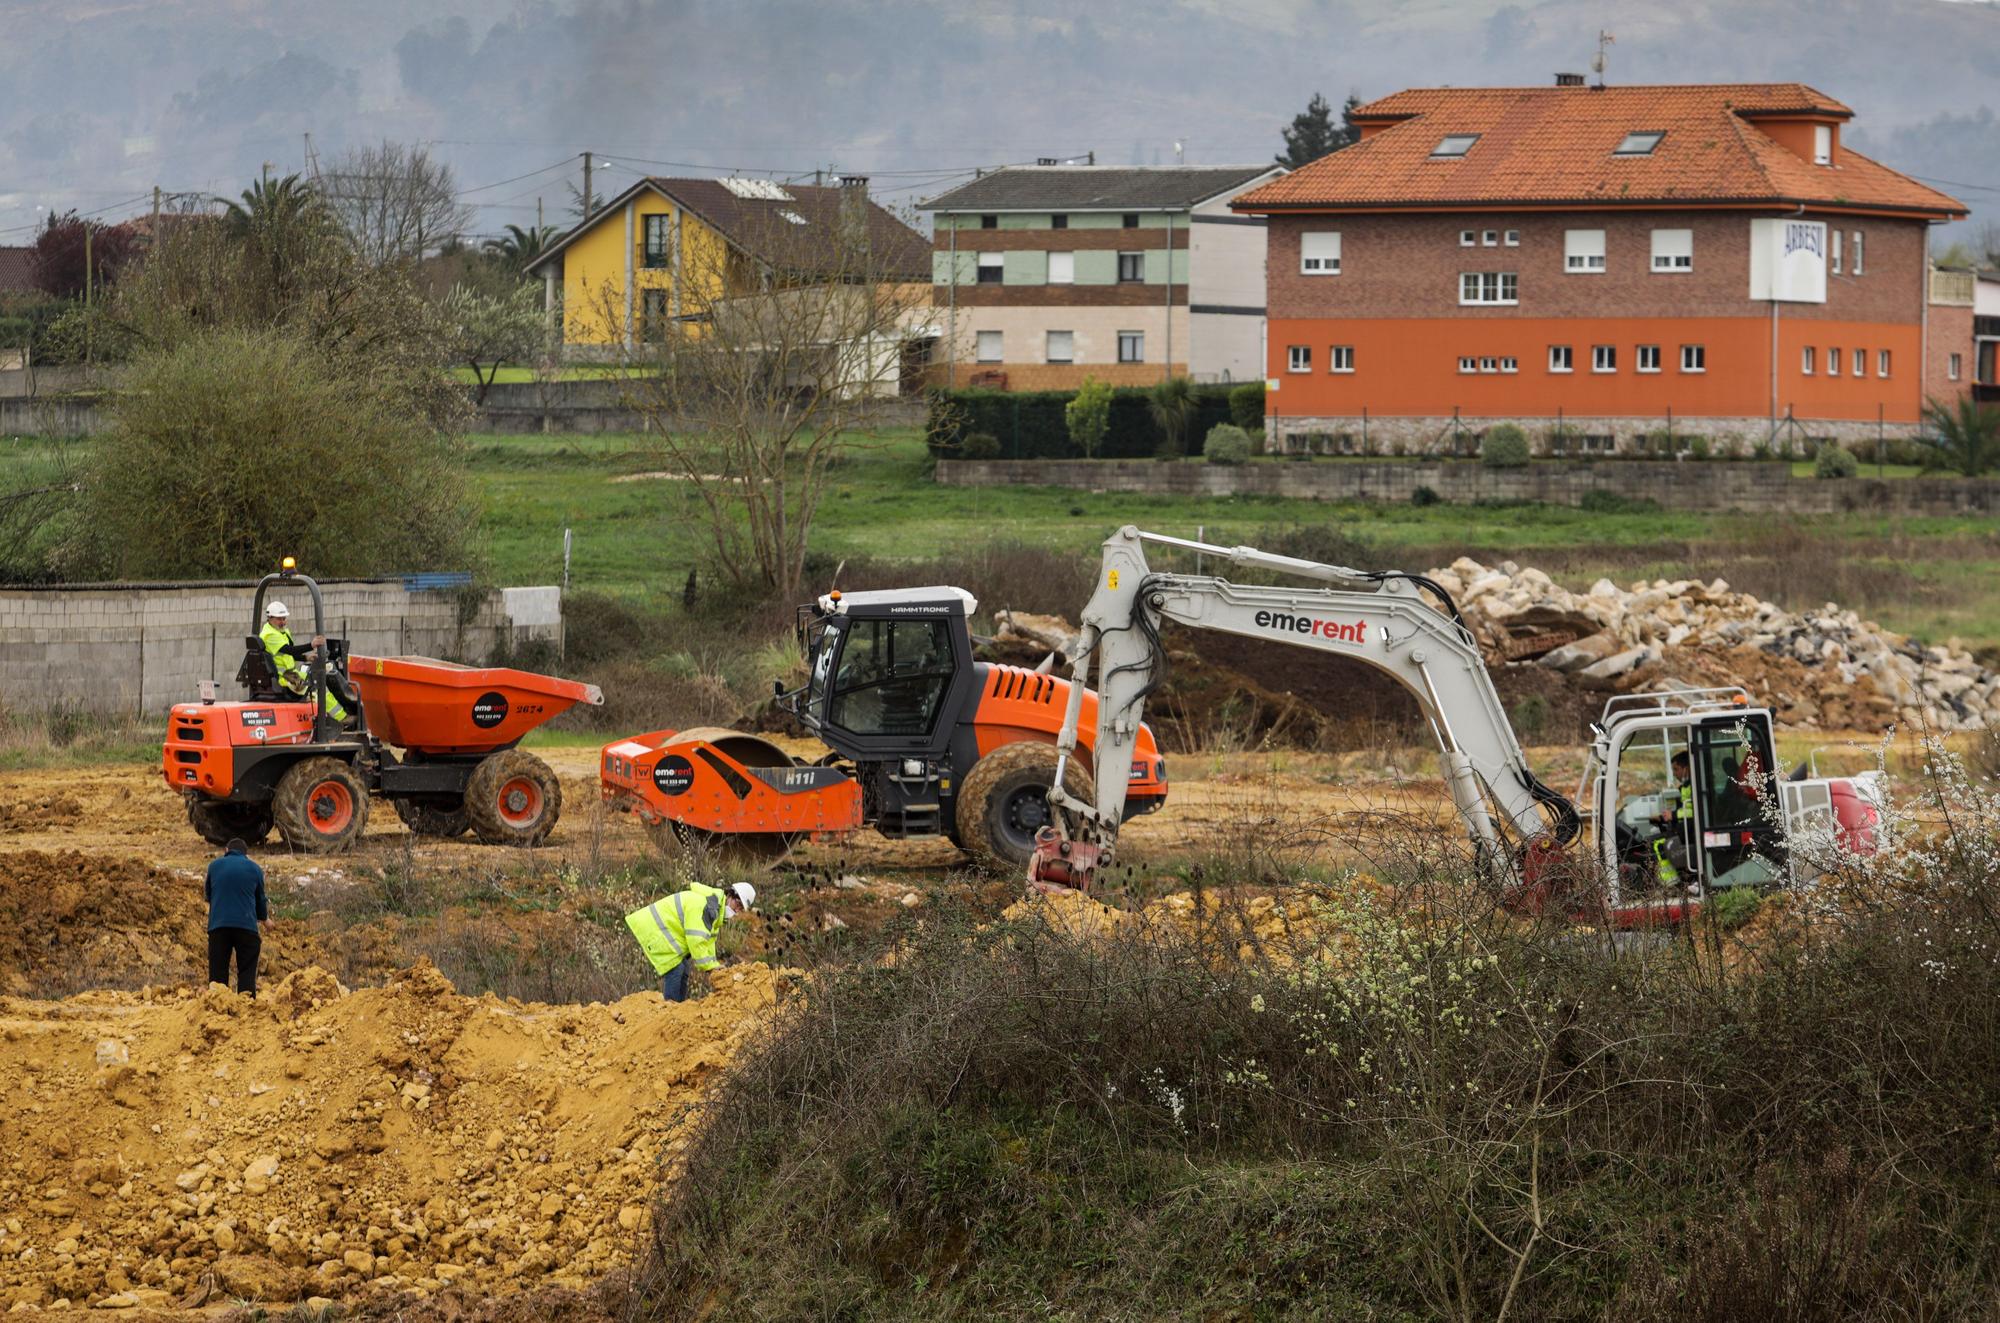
(39, 814)
(173, 1148)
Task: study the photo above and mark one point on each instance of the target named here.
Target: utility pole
(587, 208)
(538, 215)
(155, 235)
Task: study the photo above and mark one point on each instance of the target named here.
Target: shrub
(1172, 405)
(1089, 416)
(1762, 450)
(1226, 444)
(979, 445)
(1964, 437)
(1599, 501)
(1423, 496)
(1505, 447)
(1246, 406)
(1035, 424)
(1835, 462)
(1698, 447)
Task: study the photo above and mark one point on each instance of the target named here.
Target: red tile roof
(1542, 146)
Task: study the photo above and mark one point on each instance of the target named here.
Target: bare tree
(777, 351)
(396, 201)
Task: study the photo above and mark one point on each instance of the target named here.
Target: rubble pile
(1827, 669)
(170, 1149)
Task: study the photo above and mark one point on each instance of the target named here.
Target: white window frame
(1881, 362)
(1604, 358)
(1340, 358)
(1489, 238)
(1568, 355)
(992, 262)
(1049, 348)
(1140, 265)
(1694, 358)
(1673, 251)
(1854, 268)
(1488, 363)
(1953, 367)
(1489, 288)
(1510, 365)
(1325, 261)
(1467, 363)
(1822, 144)
(1833, 360)
(999, 347)
(1860, 363)
(1468, 238)
(1138, 339)
(1066, 274)
(1639, 358)
(1806, 360)
(1583, 252)
(1298, 358)
(1512, 238)
(1833, 256)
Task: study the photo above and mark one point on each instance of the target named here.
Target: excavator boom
(1380, 619)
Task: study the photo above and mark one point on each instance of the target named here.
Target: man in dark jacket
(234, 889)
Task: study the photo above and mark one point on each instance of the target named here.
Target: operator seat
(258, 675)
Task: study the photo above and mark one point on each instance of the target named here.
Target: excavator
(1660, 844)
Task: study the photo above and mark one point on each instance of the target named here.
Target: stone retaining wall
(1714, 485)
(137, 649)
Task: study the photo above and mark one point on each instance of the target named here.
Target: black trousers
(244, 944)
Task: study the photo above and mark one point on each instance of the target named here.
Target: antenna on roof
(1604, 39)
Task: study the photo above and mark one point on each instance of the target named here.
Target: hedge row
(1031, 425)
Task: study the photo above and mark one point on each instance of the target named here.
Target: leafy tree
(1313, 133)
(1505, 446)
(520, 245)
(1089, 416)
(1964, 436)
(491, 330)
(1172, 404)
(72, 253)
(1226, 444)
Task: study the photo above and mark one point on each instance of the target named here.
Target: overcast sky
(103, 99)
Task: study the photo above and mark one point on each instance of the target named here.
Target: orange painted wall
(1409, 367)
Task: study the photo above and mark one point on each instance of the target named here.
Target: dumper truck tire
(513, 798)
(219, 823)
(320, 806)
(1003, 801)
(437, 817)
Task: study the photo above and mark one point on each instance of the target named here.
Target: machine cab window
(890, 676)
(1690, 804)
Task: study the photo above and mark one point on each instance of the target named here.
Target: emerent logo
(1286, 623)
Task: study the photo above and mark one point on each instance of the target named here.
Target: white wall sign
(1788, 260)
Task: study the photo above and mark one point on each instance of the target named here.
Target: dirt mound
(39, 814)
(171, 1147)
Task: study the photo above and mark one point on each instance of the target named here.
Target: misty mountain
(110, 97)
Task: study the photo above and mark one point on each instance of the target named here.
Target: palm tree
(269, 205)
(519, 247)
(1172, 405)
(1964, 436)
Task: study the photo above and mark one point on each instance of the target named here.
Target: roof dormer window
(1639, 144)
(1453, 145)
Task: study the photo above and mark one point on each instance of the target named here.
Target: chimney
(1045, 160)
(854, 181)
(1569, 80)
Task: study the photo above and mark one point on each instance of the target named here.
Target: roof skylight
(1454, 144)
(1639, 144)
(762, 190)
(793, 217)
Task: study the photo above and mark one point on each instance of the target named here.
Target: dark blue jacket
(234, 889)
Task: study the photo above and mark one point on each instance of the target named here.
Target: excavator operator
(288, 658)
(1673, 849)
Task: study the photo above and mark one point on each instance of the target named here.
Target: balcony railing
(1953, 289)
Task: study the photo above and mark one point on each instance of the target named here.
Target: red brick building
(1600, 265)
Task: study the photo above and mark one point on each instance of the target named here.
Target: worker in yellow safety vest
(1674, 844)
(678, 930)
(293, 676)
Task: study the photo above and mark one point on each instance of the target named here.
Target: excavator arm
(1373, 617)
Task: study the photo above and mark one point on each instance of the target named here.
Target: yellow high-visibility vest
(679, 927)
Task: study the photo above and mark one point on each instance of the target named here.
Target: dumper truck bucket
(439, 707)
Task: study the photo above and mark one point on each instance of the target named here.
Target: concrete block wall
(137, 649)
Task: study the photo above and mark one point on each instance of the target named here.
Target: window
(1131, 346)
(1583, 250)
(992, 268)
(1058, 222)
(1487, 287)
(1510, 365)
(1604, 358)
(1649, 358)
(1489, 364)
(1062, 268)
(1882, 363)
(1490, 239)
(1131, 220)
(1638, 144)
(1856, 246)
(1822, 144)
(1300, 358)
(1340, 358)
(1131, 268)
(1861, 362)
(1319, 253)
(1833, 361)
(1466, 363)
(892, 676)
(659, 242)
(988, 350)
(1806, 361)
(1453, 145)
(1673, 250)
(1560, 359)
(1467, 238)
(1833, 259)
(989, 222)
(1952, 368)
(1061, 347)
(1512, 239)
(1694, 358)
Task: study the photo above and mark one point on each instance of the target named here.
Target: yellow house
(657, 258)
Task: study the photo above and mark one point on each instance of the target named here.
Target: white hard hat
(744, 893)
(278, 609)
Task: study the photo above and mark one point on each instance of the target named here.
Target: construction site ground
(366, 1132)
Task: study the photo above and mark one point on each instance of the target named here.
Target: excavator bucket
(439, 707)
